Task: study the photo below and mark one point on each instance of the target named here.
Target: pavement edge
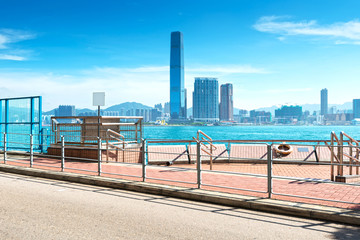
(312, 211)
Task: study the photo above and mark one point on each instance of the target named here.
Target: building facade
(356, 108)
(288, 114)
(259, 117)
(65, 111)
(206, 100)
(324, 102)
(226, 102)
(177, 89)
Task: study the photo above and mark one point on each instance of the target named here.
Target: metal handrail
(110, 134)
(209, 141)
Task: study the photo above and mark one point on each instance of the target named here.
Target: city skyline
(273, 53)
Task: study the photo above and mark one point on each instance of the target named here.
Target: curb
(312, 211)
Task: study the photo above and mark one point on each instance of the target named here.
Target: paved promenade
(223, 182)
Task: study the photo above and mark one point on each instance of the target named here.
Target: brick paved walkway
(187, 173)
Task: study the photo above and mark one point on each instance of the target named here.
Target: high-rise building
(289, 111)
(324, 102)
(260, 117)
(167, 107)
(65, 111)
(356, 108)
(206, 100)
(177, 90)
(226, 102)
(159, 107)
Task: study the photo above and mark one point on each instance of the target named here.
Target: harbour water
(250, 132)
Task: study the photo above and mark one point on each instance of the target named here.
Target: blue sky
(273, 52)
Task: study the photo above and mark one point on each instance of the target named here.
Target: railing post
(99, 156)
(269, 169)
(198, 163)
(341, 153)
(5, 153)
(107, 149)
(229, 151)
(144, 160)
(332, 157)
(31, 151)
(62, 153)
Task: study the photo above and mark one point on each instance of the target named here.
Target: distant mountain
(78, 111)
(51, 112)
(126, 106)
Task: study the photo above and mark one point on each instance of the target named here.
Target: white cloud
(349, 31)
(147, 84)
(11, 57)
(7, 38)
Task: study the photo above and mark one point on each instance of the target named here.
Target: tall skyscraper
(226, 102)
(356, 108)
(177, 90)
(324, 102)
(206, 100)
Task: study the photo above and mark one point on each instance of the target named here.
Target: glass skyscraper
(177, 89)
(206, 100)
(324, 102)
(226, 102)
(356, 108)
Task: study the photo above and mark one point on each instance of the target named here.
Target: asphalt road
(36, 208)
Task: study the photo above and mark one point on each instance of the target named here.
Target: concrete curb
(254, 203)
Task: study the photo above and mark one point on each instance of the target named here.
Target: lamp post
(99, 100)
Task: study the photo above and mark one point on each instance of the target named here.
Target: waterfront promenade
(185, 175)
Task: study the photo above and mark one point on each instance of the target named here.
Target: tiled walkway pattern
(187, 173)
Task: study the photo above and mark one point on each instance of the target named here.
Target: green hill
(126, 106)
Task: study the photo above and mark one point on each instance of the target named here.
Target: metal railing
(198, 175)
(87, 129)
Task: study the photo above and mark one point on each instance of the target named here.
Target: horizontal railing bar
(18, 98)
(235, 173)
(45, 155)
(170, 141)
(44, 165)
(78, 158)
(25, 161)
(20, 123)
(18, 143)
(103, 161)
(318, 163)
(172, 167)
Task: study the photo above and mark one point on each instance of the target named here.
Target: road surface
(36, 208)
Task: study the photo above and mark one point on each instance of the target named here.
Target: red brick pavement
(187, 173)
